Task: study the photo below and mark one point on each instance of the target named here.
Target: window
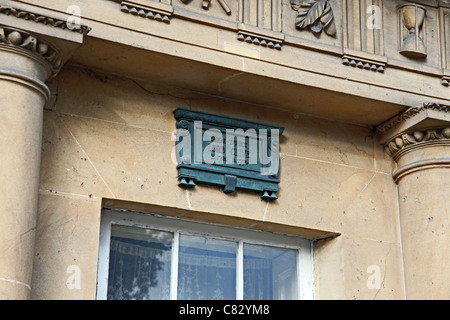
(146, 256)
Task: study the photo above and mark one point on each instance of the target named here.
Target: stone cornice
(43, 19)
(394, 122)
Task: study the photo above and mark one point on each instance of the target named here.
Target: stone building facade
(360, 88)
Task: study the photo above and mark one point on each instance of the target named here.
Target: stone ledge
(229, 221)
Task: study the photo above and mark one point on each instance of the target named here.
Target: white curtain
(201, 276)
(138, 271)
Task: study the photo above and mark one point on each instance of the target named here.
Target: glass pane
(206, 268)
(269, 273)
(139, 264)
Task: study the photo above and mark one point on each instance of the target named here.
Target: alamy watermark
(238, 147)
(374, 280)
(374, 21)
(73, 282)
(74, 20)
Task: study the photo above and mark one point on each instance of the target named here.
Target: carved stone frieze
(317, 15)
(265, 38)
(154, 11)
(39, 18)
(394, 122)
(259, 40)
(358, 62)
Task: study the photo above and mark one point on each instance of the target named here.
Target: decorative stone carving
(388, 125)
(362, 63)
(412, 19)
(31, 44)
(152, 10)
(39, 18)
(315, 14)
(417, 139)
(445, 81)
(262, 37)
(256, 39)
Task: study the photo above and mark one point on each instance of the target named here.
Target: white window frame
(305, 270)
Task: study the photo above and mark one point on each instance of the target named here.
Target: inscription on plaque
(229, 152)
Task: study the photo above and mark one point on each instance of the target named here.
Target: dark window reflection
(139, 265)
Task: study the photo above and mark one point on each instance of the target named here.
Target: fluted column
(27, 61)
(419, 141)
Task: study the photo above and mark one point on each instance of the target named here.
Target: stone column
(27, 60)
(419, 141)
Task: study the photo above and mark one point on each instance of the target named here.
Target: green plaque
(232, 153)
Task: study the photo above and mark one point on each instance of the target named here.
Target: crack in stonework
(88, 158)
(226, 79)
(16, 282)
(188, 200)
(384, 275)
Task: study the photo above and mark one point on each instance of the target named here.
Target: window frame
(304, 247)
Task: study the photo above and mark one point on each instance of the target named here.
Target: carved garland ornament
(417, 139)
(25, 41)
(315, 14)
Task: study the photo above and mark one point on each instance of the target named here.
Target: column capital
(23, 42)
(418, 138)
(48, 38)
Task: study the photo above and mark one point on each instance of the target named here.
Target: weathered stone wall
(107, 137)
